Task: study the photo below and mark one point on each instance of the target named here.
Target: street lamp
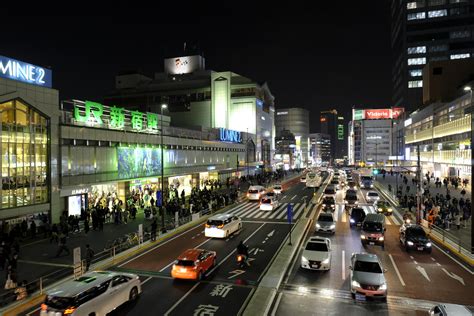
(468, 88)
(163, 228)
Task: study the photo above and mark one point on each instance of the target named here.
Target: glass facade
(25, 155)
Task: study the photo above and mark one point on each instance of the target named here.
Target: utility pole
(418, 187)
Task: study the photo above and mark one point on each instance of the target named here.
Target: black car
(357, 217)
(414, 237)
(328, 202)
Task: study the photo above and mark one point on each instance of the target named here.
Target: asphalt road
(225, 289)
(415, 280)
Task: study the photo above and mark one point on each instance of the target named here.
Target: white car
(269, 203)
(326, 223)
(222, 225)
(255, 192)
(278, 189)
(372, 197)
(317, 254)
(94, 293)
(450, 309)
(367, 276)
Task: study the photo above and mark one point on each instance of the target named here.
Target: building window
(438, 48)
(415, 4)
(416, 16)
(417, 61)
(460, 34)
(437, 58)
(416, 73)
(417, 50)
(415, 84)
(457, 11)
(458, 1)
(432, 3)
(460, 56)
(437, 13)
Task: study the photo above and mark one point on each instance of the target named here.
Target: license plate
(360, 297)
(371, 243)
(315, 266)
(182, 270)
(420, 248)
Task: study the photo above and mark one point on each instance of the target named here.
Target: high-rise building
(295, 120)
(425, 31)
(320, 149)
(332, 124)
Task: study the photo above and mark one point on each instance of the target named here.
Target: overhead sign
(226, 135)
(184, 64)
(377, 114)
(20, 71)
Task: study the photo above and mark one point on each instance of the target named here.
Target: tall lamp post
(469, 88)
(162, 212)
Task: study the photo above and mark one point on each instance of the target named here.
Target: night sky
(334, 56)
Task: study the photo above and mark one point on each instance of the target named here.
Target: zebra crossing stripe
(283, 214)
(298, 212)
(253, 212)
(260, 213)
(387, 221)
(251, 208)
(270, 214)
(283, 207)
(243, 209)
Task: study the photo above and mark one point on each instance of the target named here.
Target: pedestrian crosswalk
(252, 210)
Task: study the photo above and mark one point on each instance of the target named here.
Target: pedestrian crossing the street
(252, 211)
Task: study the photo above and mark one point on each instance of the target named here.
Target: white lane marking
(433, 259)
(387, 222)
(438, 264)
(344, 217)
(449, 256)
(343, 265)
(298, 211)
(156, 247)
(277, 303)
(252, 214)
(232, 252)
(245, 210)
(395, 220)
(181, 299)
(31, 313)
(174, 260)
(235, 273)
(294, 197)
(415, 262)
(396, 270)
(250, 211)
(411, 257)
(145, 281)
(454, 276)
(278, 210)
(423, 272)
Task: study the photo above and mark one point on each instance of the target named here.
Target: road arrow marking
(423, 272)
(235, 273)
(454, 276)
(270, 234)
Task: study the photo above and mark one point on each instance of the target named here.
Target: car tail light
(220, 226)
(248, 194)
(207, 225)
(44, 307)
(69, 310)
(239, 258)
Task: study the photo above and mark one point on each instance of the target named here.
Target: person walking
(62, 245)
(21, 292)
(86, 226)
(457, 219)
(89, 256)
(154, 227)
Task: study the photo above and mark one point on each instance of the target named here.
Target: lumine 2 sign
(226, 135)
(93, 113)
(17, 70)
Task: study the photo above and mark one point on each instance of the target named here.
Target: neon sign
(20, 71)
(226, 135)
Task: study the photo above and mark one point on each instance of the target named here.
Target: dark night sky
(336, 55)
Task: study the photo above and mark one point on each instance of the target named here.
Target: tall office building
(332, 124)
(425, 31)
(295, 120)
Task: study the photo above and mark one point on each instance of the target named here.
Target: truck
(365, 179)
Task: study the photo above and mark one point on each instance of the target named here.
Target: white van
(255, 192)
(222, 225)
(94, 293)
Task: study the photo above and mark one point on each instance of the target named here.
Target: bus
(313, 180)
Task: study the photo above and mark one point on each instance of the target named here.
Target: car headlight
(324, 204)
(389, 210)
(352, 221)
(326, 261)
(332, 226)
(409, 243)
(371, 185)
(381, 238)
(318, 226)
(355, 284)
(380, 209)
(383, 287)
(304, 260)
(428, 244)
(362, 236)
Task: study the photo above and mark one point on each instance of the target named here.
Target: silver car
(326, 223)
(367, 276)
(372, 197)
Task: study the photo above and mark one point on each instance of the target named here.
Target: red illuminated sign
(323, 119)
(396, 112)
(377, 114)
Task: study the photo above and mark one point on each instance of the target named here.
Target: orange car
(193, 263)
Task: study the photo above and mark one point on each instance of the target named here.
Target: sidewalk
(464, 234)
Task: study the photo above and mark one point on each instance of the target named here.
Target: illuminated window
(438, 48)
(415, 84)
(416, 50)
(460, 34)
(436, 2)
(415, 4)
(416, 16)
(416, 72)
(437, 13)
(460, 56)
(417, 61)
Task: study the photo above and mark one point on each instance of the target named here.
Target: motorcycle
(241, 260)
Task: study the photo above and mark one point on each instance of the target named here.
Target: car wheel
(240, 227)
(91, 314)
(133, 294)
(214, 262)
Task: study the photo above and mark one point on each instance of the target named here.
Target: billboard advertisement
(135, 162)
(377, 114)
(183, 65)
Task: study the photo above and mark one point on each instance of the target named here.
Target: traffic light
(375, 171)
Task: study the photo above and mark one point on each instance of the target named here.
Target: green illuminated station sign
(340, 132)
(96, 114)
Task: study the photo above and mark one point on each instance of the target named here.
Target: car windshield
(373, 194)
(185, 263)
(357, 212)
(366, 266)
(266, 201)
(253, 191)
(328, 200)
(366, 178)
(417, 232)
(382, 204)
(351, 197)
(213, 222)
(277, 187)
(334, 182)
(329, 191)
(316, 246)
(59, 302)
(325, 218)
(270, 194)
(372, 227)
